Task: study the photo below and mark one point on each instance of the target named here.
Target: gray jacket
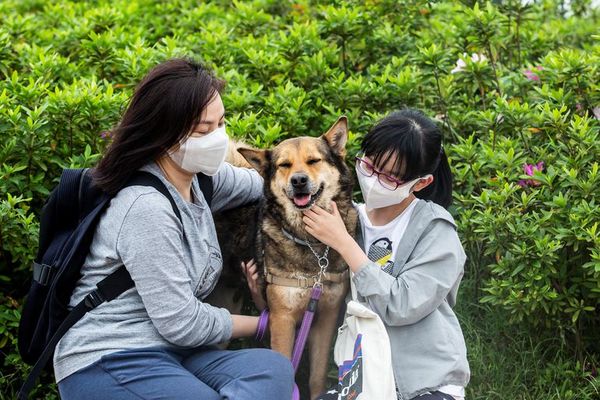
(174, 265)
(415, 302)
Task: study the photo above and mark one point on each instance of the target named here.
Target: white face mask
(376, 196)
(204, 154)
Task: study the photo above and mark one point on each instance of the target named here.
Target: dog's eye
(313, 161)
(285, 165)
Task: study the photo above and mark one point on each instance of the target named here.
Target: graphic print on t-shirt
(380, 252)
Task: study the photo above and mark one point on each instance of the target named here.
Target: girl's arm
(430, 277)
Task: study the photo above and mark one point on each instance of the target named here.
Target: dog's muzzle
(302, 192)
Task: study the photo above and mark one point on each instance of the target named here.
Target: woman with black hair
(407, 261)
(155, 341)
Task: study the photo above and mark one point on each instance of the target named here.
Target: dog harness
(307, 282)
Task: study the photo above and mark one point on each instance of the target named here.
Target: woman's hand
(250, 271)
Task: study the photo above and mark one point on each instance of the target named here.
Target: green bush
(511, 84)
(535, 233)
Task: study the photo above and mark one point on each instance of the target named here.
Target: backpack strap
(143, 178)
(206, 186)
(107, 289)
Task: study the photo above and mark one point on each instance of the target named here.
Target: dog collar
(298, 240)
(323, 260)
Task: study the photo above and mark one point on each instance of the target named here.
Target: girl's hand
(250, 271)
(327, 227)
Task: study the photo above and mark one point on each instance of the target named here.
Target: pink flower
(532, 75)
(529, 169)
(596, 112)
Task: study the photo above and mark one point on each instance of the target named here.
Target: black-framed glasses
(387, 181)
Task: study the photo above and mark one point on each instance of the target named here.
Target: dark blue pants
(199, 374)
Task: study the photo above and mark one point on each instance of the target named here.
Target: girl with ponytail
(407, 260)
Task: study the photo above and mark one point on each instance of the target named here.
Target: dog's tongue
(301, 200)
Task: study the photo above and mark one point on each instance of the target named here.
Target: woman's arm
(235, 186)
(243, 326)
(250, 271)
(150, 246)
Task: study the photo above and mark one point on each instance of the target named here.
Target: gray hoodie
(173, 264)
(415, 302)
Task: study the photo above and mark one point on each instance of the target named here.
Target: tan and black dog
(299, 173)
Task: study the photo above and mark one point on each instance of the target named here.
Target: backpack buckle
(42, 273)
(94, 299)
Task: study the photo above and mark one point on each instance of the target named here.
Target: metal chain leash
(323, 262)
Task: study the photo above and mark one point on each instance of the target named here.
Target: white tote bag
(362, 353)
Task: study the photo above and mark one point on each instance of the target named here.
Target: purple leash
(309, 314)
(263, 321)
(302, 336)
(315, 295)
(263, 324)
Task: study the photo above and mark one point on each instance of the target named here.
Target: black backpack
(67, 226)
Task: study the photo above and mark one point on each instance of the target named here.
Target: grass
(519, 362)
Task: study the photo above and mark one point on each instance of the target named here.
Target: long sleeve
(235, 186)
(430, 276)
(150, 244)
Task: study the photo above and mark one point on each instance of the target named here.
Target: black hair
(417, 142)
(166, 105)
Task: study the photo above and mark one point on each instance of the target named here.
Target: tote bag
(363, 355)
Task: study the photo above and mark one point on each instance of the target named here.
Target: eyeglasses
(367, 169)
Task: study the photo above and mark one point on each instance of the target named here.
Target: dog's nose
(299, 181)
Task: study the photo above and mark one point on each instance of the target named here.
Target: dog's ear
(259, 159)
(337, 136)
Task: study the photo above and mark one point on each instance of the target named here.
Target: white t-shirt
(381, 241)
(381, 244)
